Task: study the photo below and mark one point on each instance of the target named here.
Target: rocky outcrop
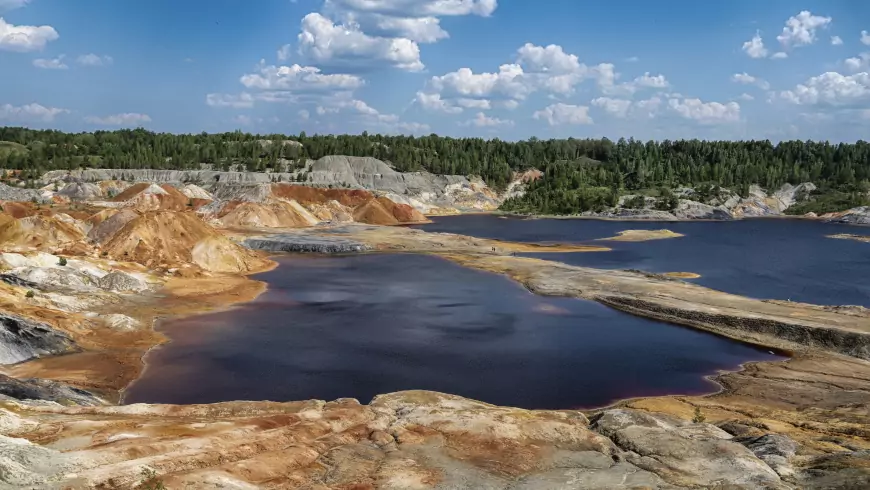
(22, 339)
(286, 242)
(411, 439)
(854, 216)
(8, 193)
(46, 390)
(120, 282)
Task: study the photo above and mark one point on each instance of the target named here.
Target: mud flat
(848, 236)
(641, 235)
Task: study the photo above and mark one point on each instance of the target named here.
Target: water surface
(358, 326)
(770, 258)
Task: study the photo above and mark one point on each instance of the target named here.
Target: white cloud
(420, 8)
(706, 112)
(298, 78)
(23, 39)
(51, 64)
(474, 103)
(325, 42)
(779, 55)
(6, 5)
(284, 52)
(836, 40)
(865, 38)
(29, 113)
(94, 60)
(242, 101)
(615, 107)
(645, 80)
(747, 79)
(418, 29)
(861, 62)
(557, 114)
(125, 119)
(745, 96)
(830, 88)
(551, 59)
(481, 120)
(303, 114)
(755, 47)
(434, 102)
(624, 108)
(800, 30)
(507, 83)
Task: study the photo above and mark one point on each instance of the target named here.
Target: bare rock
(22, 339)
(683, 453)
(45, 389)
(120, 282)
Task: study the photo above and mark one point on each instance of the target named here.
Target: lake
(362, 325)
(766, 258)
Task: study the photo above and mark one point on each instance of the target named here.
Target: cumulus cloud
(559, 114)
(706, 112)
(745, 96)
(51, 63)
(125, 119)
(780, 55)
(298, 79)
(860, 62)
(92, 59)
(550, 59)
(29, 113)
(865, 38)
(747, 79)
(324, 42)
(754, 48)
(23, 39)
(624, 108)
(434, 102)
(420, 8)
(830, 88)
(646, 80)
(284, 52)
(481, 120)
(836, 40)
(800, 30)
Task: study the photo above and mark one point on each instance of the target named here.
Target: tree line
(579, 173)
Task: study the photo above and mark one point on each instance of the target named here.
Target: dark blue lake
(358, 326)
(762, 258)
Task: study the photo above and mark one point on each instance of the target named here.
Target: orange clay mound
(153, 197)
(110, 224)
(402, 212)
(332, 211)
(97, 218)
(315, 195)
(171, 239)
(38, 232)
(279, 214)
(18, 209)
(374, 213)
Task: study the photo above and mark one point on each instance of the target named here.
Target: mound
(193, 191)
(18, 209)
(279, 214)
(81, 191)
(152, 197)
(38, 232)
(402, 212)
(98, 218)
(374, 213)
(332, 211)
(170, 239)
(315, 195)
(111, 224)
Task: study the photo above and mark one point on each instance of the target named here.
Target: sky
(733, 69)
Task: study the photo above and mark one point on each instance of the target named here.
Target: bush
(636, 202)
(150, 481)
(61, 262)
(699, 417)
(29, 294)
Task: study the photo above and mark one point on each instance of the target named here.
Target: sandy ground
(641, 235)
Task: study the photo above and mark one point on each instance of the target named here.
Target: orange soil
(315, 195)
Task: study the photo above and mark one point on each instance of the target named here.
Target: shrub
(150, 481)
(29, 294)
(699, 417)
(61, 262)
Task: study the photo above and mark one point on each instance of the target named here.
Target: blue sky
(652, 70)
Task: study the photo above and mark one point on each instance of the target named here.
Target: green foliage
(580, 174)
(61, 262)
(698, 417)
(29, 294)
(636, 202)
(150, 481)
(667, 200)
(821, 202)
